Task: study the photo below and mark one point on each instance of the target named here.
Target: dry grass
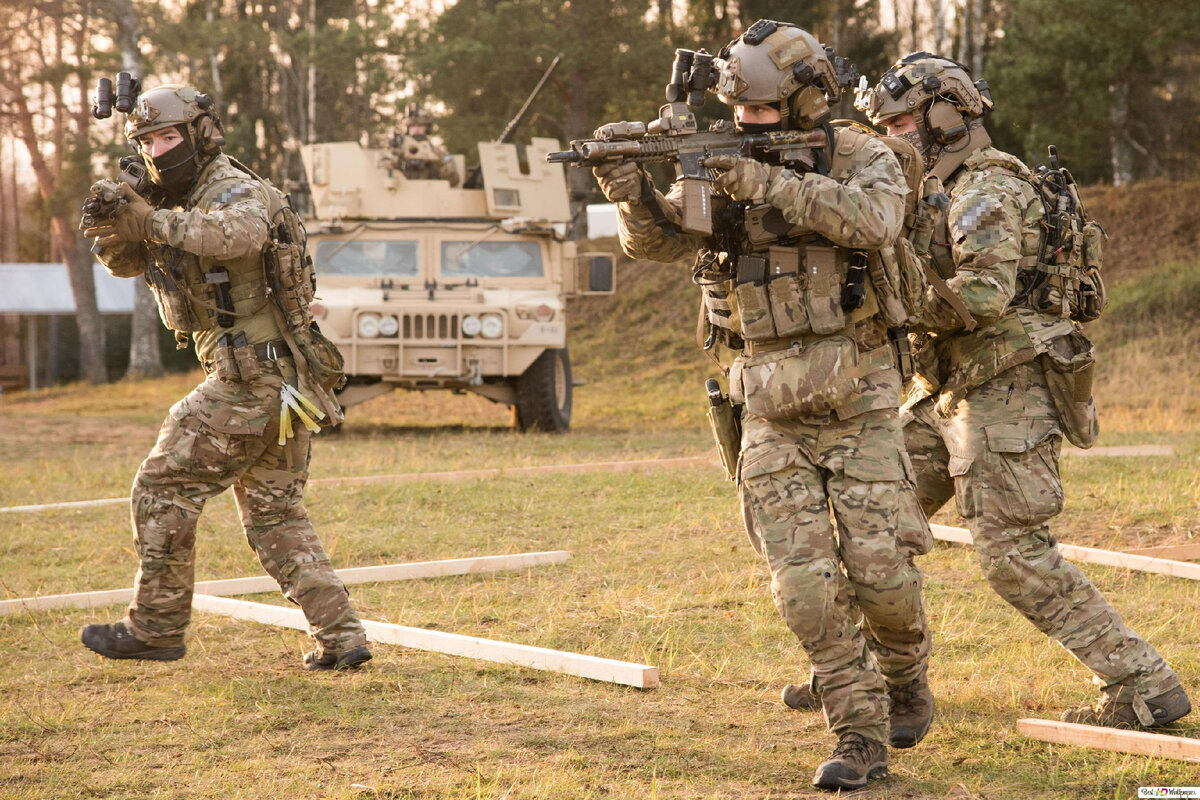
(661, 573)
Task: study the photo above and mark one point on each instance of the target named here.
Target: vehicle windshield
(367, 257)
(491, 260)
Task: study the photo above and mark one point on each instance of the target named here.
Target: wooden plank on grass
(1156, 745)
(1093, 555)
(264, 583)
(641, 676)
(1177, 551)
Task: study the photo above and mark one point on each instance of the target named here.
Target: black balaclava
(176, 170)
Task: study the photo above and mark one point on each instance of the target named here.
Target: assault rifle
(674, 137)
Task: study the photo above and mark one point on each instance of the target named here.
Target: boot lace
(850, 746)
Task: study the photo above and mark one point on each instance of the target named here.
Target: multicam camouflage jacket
(205, 257)
(991, 228)
(775, 273)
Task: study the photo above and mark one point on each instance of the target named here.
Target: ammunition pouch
(234, 360)
(1068, 363)
(792, 291)
(806, 379)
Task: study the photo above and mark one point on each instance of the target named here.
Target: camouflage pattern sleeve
(228, 221)
(123, 259)
(642, 238)
(985, 223)
(866, 211)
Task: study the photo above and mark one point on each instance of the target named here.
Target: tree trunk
(145, 359)
(1118, 117)
(978, 38)
(939, 27)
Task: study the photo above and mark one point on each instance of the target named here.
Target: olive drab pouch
(802, 381)
(754, 305)
(1069, 364)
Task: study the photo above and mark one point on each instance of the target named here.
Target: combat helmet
(417, 122)
(781, 65)
(194, 114)
(946, 104)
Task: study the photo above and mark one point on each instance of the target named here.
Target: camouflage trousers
(823, 504)
(225, 434)
(997, 453)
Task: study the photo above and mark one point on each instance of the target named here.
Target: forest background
(1113, 83)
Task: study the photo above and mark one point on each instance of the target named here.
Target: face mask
(175, 170)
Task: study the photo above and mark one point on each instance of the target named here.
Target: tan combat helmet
(779, 64)
(947, 105)
(177, 104)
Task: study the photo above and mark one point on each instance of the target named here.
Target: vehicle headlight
(368, 325)
(388, 325)
(471, 326)
(491, 326)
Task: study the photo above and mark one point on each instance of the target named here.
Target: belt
(266, 354)
(269, 351)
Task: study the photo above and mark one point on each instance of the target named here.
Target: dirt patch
(1147, 223)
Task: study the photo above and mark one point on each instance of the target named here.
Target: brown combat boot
(1110, 713)
(911, 712)
(855, 760)
(117, 641)
(800, 696)
(353, 657)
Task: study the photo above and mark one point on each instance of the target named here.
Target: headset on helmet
(938, 92)
(779, 64)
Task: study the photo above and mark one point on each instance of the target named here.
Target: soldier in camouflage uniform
(201, 252)
(982, 423)
(418, 156)
(819, 384)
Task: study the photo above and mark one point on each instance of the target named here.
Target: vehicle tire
(544, 394)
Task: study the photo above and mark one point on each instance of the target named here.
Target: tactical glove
(621, 181)
(131, 223)
(742, 178)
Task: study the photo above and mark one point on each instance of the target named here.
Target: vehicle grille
(430, 326)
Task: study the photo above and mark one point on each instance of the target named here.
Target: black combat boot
(855, 760)
(911, 712)
(117, 641)
(1110, 713)
(801, 697)
(353, 657)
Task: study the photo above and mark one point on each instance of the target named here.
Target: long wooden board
(641, 676)
(1093, 555)
(1177, 551)
(1142, 743)
(264, 583)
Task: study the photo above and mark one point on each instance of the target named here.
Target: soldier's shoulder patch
(974, 212)
(234, 192)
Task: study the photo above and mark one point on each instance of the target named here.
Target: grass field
(661, 573)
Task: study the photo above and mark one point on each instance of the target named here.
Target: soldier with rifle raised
(782, 247)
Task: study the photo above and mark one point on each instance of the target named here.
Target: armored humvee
(427, 285)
